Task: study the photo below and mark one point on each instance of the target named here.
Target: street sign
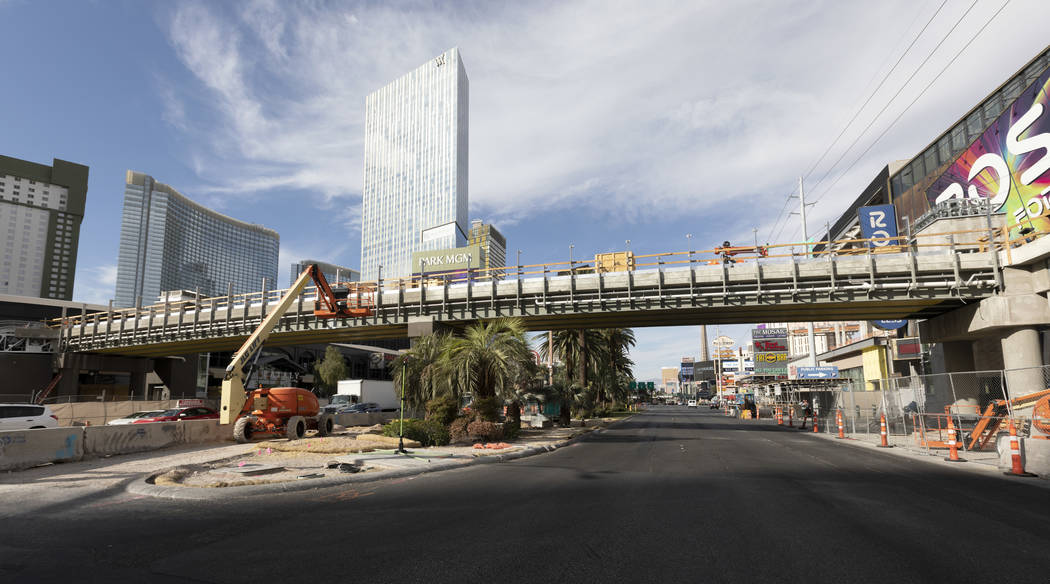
(831, 372)
(878, 221)
(889, 325)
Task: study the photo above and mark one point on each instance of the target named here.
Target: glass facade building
(168, 242)
(415, 171)
(41, 208)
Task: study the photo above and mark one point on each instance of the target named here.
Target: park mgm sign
(457, 261)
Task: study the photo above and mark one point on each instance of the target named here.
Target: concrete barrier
(25, 448)
(107, 440)
(1035, 454)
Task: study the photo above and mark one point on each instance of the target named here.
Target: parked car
(26, 417)
(363, 408)
(130, 418)
(692, 403)
(180, 414)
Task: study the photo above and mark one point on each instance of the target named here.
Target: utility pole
(805, 238)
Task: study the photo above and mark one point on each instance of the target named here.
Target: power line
(917, 97)
(874, 91)
(787, 198)
(891, 100)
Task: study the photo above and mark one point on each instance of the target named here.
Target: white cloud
(95, 285)
(626, 109)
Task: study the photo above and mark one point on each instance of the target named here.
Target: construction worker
(807, 412)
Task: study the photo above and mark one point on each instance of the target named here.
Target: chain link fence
(921, 410)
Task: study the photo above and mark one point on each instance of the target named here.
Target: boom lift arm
(329, 305)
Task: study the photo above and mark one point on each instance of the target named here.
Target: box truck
(360, 391)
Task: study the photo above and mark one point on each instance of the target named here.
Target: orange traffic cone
(1017, 469)
(838, 420)
(815, 428)
(953, 447)
(882, 431)
(780, 416)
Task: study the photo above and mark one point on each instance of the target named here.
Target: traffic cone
(953, 446)
(780, 416)
(815, 428)
(838, 420)
(1017, 469)
(882, 431)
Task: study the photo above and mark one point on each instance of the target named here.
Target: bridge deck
(903, 285)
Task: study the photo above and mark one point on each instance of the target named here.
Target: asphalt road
(671, 495)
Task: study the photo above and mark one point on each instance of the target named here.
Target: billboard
(766, 345)
(443, 261)
(769, 333)
(1008, 163)
(878, 221)
(771, 351)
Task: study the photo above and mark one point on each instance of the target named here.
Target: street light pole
(519, 264)
(572, 263)
(689, 238)
(401, 430)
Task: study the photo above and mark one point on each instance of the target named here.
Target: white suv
(26, 417)
(692, 403)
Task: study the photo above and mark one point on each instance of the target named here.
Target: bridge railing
(229, 304)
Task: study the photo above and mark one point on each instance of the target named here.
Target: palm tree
(485, 359)
(426, 371)
(616, 360)
(598, 357)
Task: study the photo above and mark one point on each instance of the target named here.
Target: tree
(485, 359)
(599, 360)
(426, 371)
(330, 370)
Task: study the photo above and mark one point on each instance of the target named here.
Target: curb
(142, 486)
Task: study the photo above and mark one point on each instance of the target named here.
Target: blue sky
(591, 122)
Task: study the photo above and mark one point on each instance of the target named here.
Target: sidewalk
(983, 461)
(225, 469)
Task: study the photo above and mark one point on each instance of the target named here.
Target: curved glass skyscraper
(168, 242)
(415, 172)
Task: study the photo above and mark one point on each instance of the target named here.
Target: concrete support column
(1022, 359)
(959, 360)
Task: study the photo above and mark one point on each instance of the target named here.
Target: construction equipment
(285, 411)
(726, 251)
(988, 425)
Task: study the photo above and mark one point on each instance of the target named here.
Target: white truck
(359, 391)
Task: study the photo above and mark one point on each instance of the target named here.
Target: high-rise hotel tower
(415, 173)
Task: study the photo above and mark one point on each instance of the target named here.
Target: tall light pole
(689, 238)
(571, 262)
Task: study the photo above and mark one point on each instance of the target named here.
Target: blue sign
(878, 221)
(889, 325)
(818, 372)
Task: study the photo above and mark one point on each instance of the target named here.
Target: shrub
(511, 431)
(486, 431)
(443, 409)
(458, 430)
(426, 432)
(487, 408)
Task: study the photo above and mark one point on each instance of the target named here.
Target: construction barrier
(953, 450)
(25, 448)
(1016, 462)
(109, 440)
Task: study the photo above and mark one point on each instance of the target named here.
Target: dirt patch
(345, 444)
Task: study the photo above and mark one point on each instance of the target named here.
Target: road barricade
(25, 448)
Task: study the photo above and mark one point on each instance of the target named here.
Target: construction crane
(353, 300)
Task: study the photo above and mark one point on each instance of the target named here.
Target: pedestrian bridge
(681, 288)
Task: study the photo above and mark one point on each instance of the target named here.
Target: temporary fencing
(922, 412)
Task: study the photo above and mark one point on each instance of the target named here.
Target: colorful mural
(1008, 163)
